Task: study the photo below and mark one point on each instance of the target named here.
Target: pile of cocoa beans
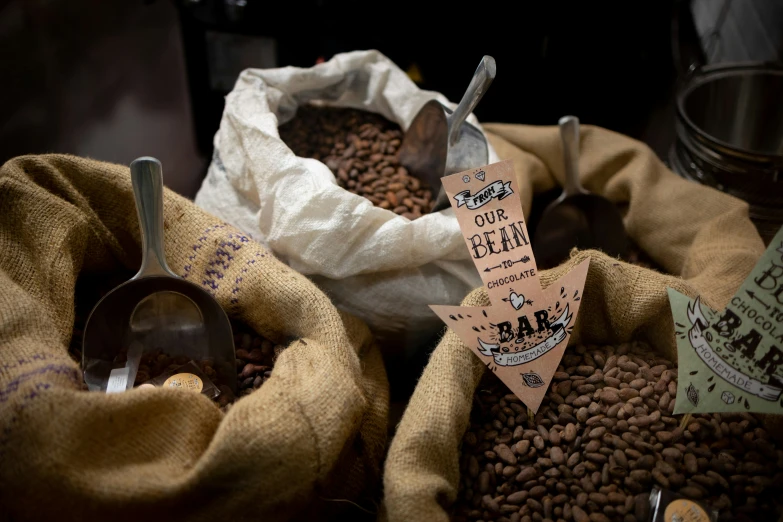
(603, 437)
(361, 148)
(256, 357)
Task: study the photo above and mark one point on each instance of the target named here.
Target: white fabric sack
(374, 264)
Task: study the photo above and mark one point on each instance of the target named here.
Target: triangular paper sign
(521, 337)
(732, 360)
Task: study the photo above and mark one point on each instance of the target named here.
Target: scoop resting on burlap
(310, 439)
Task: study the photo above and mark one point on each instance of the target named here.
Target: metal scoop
(439, 142)
(155, 309)
(577, 218)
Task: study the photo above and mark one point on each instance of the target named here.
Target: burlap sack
(307, 443)
(694, 231)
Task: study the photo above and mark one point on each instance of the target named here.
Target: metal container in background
(730, 136)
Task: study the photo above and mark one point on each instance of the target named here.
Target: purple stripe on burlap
(220, 260)
(11, 390)
(13, 386)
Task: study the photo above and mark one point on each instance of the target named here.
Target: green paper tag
(733, 360)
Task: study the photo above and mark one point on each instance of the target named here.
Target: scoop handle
(482, 79)
(147, 181)
(569, 135)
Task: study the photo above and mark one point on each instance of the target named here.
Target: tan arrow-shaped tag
(523, 335)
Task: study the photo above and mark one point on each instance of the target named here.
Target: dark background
(553, 57)
(126, 78)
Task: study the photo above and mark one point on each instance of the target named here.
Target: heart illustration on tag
(480, 175)
(516, 300)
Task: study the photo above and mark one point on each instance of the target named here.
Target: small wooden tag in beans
(523, 335)
(683, 510)
(185, 381)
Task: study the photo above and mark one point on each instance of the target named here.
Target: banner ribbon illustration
(496, 190)
(531, 354)
(707, 354)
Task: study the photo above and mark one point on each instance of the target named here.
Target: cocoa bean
(609, 396)
(505, 454)
(579, 514)
(557, 455)
(526, 474)
(690, 463)
(517, 497)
